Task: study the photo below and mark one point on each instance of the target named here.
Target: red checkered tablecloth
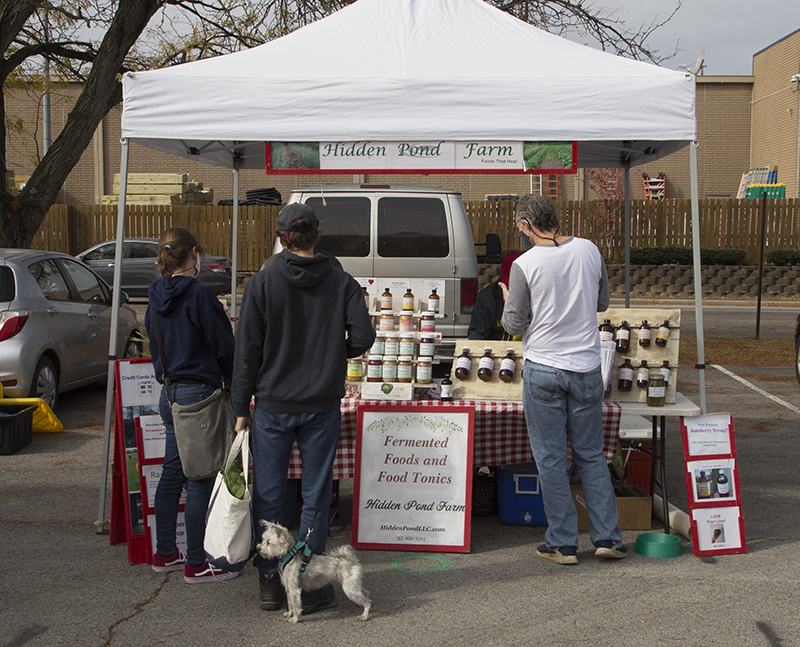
(501, 437)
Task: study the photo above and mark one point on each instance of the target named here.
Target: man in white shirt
(555, 290)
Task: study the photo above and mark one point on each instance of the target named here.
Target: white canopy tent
(421, 70)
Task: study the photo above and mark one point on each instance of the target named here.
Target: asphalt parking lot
(62, 584)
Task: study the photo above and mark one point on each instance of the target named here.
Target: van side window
(412, 227)
(344, 223)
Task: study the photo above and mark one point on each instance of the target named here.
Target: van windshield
(344, 223)
(412, 228)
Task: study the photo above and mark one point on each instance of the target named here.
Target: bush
(684, 256)
(783, 257)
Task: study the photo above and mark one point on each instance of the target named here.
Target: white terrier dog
(340, 565)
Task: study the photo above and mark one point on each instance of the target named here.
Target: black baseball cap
(291, 213)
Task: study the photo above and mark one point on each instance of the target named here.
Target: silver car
(139, 266)
(55, 319)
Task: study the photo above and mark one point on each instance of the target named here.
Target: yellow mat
(43, 417)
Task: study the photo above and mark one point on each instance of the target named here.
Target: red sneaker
(206, 573)
(166, 564)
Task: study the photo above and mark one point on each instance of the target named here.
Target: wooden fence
(725, 224)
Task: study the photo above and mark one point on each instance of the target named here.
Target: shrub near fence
(725, 224)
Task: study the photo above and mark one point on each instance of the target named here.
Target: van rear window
(412, 228)
(7, 286)
(344, 223)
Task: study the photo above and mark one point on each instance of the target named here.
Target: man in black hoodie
(301, 318)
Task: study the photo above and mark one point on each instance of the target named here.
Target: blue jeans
(556, 400)
(173, 480)
(272, 438)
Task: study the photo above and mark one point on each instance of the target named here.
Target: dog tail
(346, 551)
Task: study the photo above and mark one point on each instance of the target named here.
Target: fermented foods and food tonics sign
(421, 157)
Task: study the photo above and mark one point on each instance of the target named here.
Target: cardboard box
(634, 506)
(519, 495)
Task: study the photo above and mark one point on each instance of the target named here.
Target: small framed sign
(413, 486)
(718, 531)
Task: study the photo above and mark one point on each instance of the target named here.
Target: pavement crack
(137, 610)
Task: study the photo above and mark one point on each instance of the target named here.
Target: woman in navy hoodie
(198, 358)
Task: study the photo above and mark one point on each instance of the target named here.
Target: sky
(730, 31)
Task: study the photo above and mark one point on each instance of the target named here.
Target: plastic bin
(519, 496)
(16, 427)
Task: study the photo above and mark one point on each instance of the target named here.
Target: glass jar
(392, 346)
(424, 370)
(427, 322)
(407, 343)
(355, 371)
(379, 345)
(427, 345)
(656, 390)
(387, 320)
(406, 321)
(375, 368)
(405, 368)
(389, 368)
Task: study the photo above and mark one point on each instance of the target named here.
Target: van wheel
(45, 382)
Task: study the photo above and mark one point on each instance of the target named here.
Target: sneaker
(610, 550)
(271, 591)
(320, 599)
(166, 564)
(206, 573)
(561, 555)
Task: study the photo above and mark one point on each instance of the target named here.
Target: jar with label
(379, 345)
(405, 368)
(665, 371)
(625, 380)
(656, 390)
(663, 334)
(407, 343)
(406, 321)
(427, 322)
(433, 302)
(366, 298)
(392, 346)
(486, 366)
(355, 371)
(375, 368)
(424, 370)
(389, 368)
(703, 486)
(427, 345)
(606, 331)
(507, 366)
(408, 300)
(386, 300)
(644, 334)
(463, 364)
(623, 336)
(643, 375)
(387, 321)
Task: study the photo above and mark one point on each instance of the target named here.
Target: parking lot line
(755, 388)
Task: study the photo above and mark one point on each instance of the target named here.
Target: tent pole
(235, 242)
(698, 287)
(627, 235)
(116, 298)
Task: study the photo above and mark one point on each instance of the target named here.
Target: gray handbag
(203, 430)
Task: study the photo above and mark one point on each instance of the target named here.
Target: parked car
(139, 266)
(55, 320)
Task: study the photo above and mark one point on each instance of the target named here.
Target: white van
(402, 236)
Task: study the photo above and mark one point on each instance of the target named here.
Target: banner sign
(421, 157)
(413, 486)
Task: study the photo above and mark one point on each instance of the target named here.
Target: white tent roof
(420, 70)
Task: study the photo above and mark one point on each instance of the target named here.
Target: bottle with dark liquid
(463, 364)
(447, 388)
(606, 331)
(644, 334)
(433, 302)
(663, 334)
(508, 365)
(625, 381)
(386, 300)
(723, 486)
(623, 336)
(408, 300)
(665, 372)
(643, 375)
(486, 366)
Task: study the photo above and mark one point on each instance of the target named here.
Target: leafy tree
(95, 41)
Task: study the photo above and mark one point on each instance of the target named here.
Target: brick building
(742, 122)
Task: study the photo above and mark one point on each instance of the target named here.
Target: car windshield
(7, 285)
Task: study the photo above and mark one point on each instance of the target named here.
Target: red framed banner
(375, 157)
(413, 485)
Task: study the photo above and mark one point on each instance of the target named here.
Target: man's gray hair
(538, 211)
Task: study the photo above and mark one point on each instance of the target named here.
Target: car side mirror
(493, 246)
(123, 297)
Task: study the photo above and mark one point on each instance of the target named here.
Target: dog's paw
(365, 615)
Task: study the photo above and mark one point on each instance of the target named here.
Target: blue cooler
(519, 496)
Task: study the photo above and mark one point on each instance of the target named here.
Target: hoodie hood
(167, 292)
(302, 272)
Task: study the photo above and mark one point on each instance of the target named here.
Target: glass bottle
(656, 390)
(606, 331)
(643, 375)
(486, 366)
(665, 372)
(366, 298)
(663, 334)
(703, 486)
(447, 389)
(386, 300)
(625, 381)
(507, 366)
(463, 364)
(644, 334)
(408, 300)
(433, 302)
(723, 486)
(623, 336)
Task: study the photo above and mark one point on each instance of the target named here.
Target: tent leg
(116, 299)
(235, 242)
(698, 283)
(627, 235)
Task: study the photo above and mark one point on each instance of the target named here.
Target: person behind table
(556, 288)
(301, 318)
(487, 313)
(198, 358)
